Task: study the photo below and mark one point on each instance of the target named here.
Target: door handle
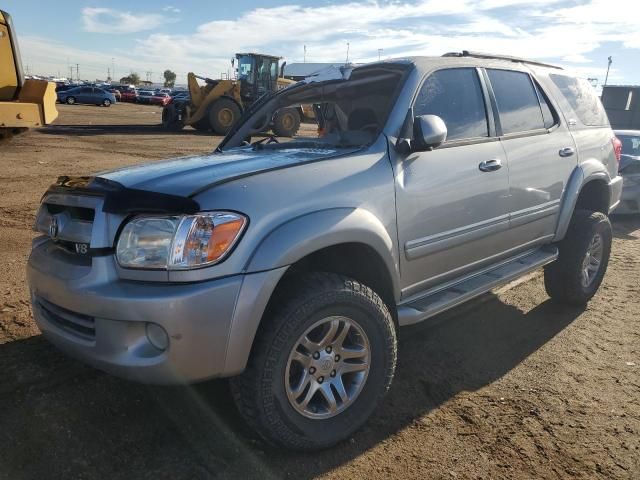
(490, 165)
(566, 152)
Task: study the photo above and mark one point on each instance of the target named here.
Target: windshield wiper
(301, 144)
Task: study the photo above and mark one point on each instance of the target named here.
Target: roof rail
(467, 53)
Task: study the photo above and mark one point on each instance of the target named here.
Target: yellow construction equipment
(23, 103)
(218, 104)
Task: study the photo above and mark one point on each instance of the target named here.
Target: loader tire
(170, 119)
(286, 122)
(223, 114)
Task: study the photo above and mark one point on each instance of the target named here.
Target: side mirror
(429, 132)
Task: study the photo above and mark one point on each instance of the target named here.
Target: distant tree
(169, 79)
(132, 79)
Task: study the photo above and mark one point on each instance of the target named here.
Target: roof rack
(467, 53)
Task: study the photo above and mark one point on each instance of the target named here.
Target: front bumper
(630, 199)
(91, 314)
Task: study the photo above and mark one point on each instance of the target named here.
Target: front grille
(82, 326)
(75, 213)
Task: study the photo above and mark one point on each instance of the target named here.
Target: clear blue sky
(151, 36)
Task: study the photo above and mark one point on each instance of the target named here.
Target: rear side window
(455, 96)
(517, 101)
(583, 99)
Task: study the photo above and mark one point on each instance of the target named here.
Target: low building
(622, 103)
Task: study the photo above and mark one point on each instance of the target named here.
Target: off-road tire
(170, 119)
(562, 278)
(286, 122)
(70, 100)
(223, 114)
(260, 392)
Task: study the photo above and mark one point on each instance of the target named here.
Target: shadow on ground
(59, 419)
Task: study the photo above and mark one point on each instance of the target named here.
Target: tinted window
(583, 99)
(455, 96)
(517, 101)
(548, 114)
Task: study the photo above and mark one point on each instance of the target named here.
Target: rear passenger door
(452, 211)
(540, 151)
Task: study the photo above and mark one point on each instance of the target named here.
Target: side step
(417, 309)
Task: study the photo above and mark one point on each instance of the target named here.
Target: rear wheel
(223, 113)
(286, 122)
(71, 100)
(321, 363)
(170, 120)
(583, 258)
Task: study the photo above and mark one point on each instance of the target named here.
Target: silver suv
(289, 265)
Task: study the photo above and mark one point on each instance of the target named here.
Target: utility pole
(305, 55)
(347, 60)
(379, 53)
(108, 75)
(113, 68)
(608, 67)
(78, 72)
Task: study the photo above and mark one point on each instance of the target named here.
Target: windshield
(630, 145)
(245, 68)
(338, 112)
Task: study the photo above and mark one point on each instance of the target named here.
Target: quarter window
(517, 101)
(455, 96)
(583, 99)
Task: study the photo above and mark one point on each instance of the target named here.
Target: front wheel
(106, 102)
(582, 261)
(71, 100)
(321, 363)
(223, 113)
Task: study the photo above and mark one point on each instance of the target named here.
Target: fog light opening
(157, 336)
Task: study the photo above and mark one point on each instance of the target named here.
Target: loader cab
(258, 74)
(11, 77)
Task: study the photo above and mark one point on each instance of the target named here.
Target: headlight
(178, 242)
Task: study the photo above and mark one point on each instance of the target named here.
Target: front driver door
(452, 202)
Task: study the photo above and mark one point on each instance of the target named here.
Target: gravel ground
(511, 386)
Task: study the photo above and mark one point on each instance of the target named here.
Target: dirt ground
(511, 386)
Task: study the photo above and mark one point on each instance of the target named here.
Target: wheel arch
(588, 188)
(347, 241)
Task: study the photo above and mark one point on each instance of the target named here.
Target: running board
(417, 309)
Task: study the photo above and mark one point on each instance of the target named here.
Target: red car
(160, 99)
(129, 94)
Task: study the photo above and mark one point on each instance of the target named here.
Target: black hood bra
(121, 199)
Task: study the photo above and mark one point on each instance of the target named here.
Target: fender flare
(301, 236)
(588, 171)
(283, 246)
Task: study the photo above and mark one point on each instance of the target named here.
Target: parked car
(290, 266)
(144, 96)
(129, 94)
(160, 99)
(91, 95)
(630, 171)
(116, 93)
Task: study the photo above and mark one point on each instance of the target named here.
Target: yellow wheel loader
(23, 103)
(218, 104)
